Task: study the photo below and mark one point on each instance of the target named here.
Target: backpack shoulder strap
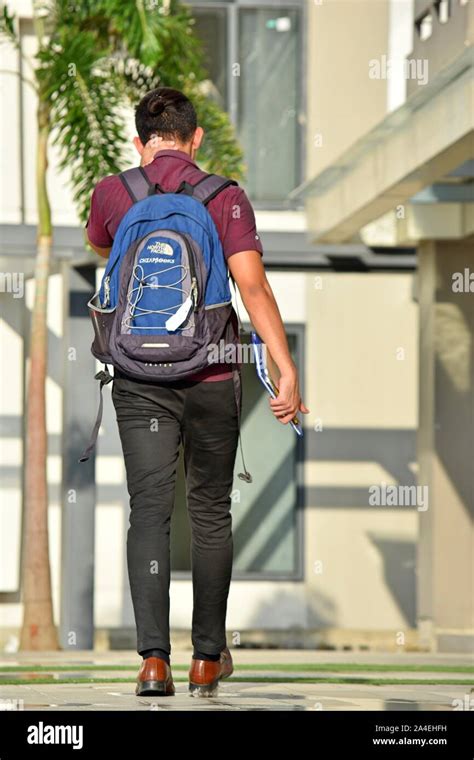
(136, 183)
(138, 186)
(208, 187)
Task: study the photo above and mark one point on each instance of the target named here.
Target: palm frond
(8, 32)
(86, 110)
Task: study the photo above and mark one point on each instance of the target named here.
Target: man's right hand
(249, 274)
(288, 402)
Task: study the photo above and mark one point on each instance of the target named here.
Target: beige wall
(361, 388)
(343, 102)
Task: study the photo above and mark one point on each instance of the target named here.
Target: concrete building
(403, 175)
(357, 178)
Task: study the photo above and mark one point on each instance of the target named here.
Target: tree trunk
(38, 630)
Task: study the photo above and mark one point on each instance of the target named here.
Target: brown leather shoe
(154, 679)
(204, 675)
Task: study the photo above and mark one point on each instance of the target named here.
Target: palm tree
(93, 56)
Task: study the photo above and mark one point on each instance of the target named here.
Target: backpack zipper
(106, 291)
(192, 266)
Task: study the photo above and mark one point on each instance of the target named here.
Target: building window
(253, 55)
(269, 100)
(211, 28)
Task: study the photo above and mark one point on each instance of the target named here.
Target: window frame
(233, 7)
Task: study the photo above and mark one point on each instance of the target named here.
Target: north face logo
(160, 248)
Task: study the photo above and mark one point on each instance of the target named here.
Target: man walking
(200, 412)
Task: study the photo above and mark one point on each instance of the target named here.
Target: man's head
(169, 114)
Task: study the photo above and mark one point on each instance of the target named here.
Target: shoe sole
(207, 689)
(153, 689)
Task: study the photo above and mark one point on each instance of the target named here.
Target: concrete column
(446, 446)
(78, 493)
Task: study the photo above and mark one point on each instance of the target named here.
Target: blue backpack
(164, 300)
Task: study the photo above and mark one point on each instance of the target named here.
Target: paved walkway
(262, 680)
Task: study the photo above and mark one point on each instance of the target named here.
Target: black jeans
(153, 420)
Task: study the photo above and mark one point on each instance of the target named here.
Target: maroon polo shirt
(231, 211)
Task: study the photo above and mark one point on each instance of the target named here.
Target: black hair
(165, 112)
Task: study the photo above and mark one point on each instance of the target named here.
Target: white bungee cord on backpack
(176, 315)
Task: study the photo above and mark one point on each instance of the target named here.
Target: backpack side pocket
(102, 321)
